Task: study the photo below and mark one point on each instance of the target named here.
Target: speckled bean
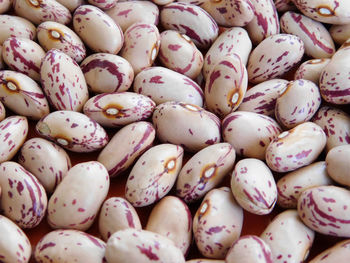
(77, 199)
(118, 109)
(69, 246)
(284, 5)
(190, 20)
(178, 52)
(47, 161)
(97, 29)
(15, 26)
(217, 223)
(259, 131)
(162, 85)
(13, 132)
(265, 22)
(103, 4)
(23, 55)
(131, 141)
(204, 171)
(234, 40)
(318, 42)
(325, 209)
(142, 42)
(291, 185)
(24, 199)
(5, 5)
(288, 51)
(154, 174)
(253, 186)
(289, 239)
(38, 11)
(117, 214)
(107, 73)
(71, 4)
(338, 164)
(22, 95)
(55, 35)
(295, 148)
(340, 252)
(261, 98)
(172, 218)
(298, 103)
(249, 249)
(326, 11)
(129, 12)
(70, 94)
(15, 247)
(227, 14)
(340, 33)
(142, 246)
(226, 85)
(195, 128)
(336, 125)
(311, 69)
(205, 260)
(74, 131)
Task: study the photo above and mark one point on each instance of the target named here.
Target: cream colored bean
(298, 103)
(261, 98)
(23, 55)
(340, 252)
(253, 186)
(2, 112)
(265, 22)
(325, 209)
(172, 218)
(191, 20)
(295, 148)
(97, 29)
(104, 4)
(47, 161)
(311, 69)
(294, 183)
(154, 174)
(259, 131)
(118, 109)
(226, 85)
(25, 201)
(13, 133)
(340, 33)
(5, 5)
(289, 239)
(2, 64)
(117, 214)
(22, 95)
(317, 40)
(55, 35)
(71, 4)
(336, 125)
(338, 164)
(232, 41)
(107, 73)
(132, 141)
(195, 129)
(73, 131)
(284, 5)
(141, 45)
(217, 223)
(69, 246)
(178, 52)
(141, 246)
(78, 198)
(204, 171)
(129, 12)
(249, 249)
(15, 26)
(162, 2)
(288, 51)
(38, 11)
(70, 94)
(15, 247)
(162, 85)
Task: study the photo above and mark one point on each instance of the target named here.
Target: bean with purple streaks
(340, 33)
(338, 253)
(71, 4)
(103, 4)
(15, 26)
(311, 69)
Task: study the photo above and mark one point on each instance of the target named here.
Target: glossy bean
(311, 69)
(338, 164)
(15, 26)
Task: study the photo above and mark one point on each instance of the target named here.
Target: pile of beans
(210, 110)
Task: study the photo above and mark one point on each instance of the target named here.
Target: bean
(338, 164)
(117, 214)
(46, 160)
(311, 69)
(77, 199)
(5, 5)
(15, 26)
(71, 4)
(104, 4)
(2, 112)
(337, 253)
(204, 260)
(340, 33)
(284, 5)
